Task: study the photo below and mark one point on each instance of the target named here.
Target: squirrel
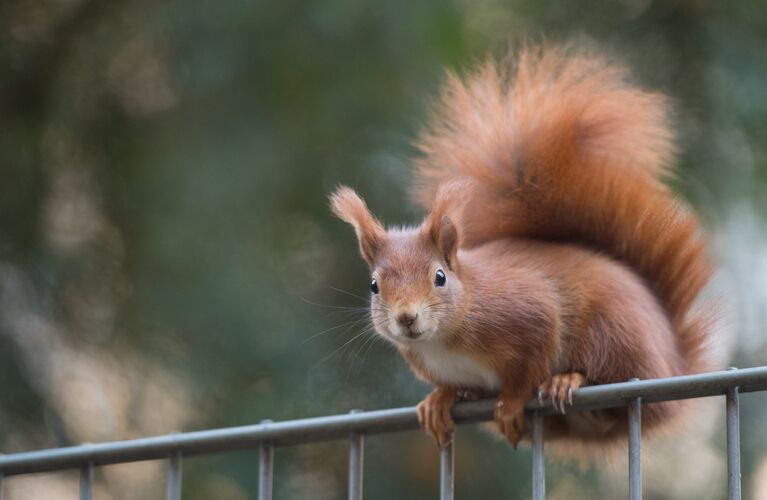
(553, 256)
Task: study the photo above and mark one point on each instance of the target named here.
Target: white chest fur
(451, 367)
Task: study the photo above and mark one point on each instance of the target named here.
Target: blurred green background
(168, 261)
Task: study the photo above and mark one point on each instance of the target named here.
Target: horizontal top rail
(333, 427)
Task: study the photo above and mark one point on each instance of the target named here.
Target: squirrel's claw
(434, 415)
(560, 389)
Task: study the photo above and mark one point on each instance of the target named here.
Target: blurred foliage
(168, 262)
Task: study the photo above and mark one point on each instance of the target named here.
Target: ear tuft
(346, 204)
(349, 207)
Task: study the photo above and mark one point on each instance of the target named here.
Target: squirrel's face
(415, 295)
(415, 288)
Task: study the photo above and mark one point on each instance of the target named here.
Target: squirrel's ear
(443, 233)
(447, 241)
(349, 207)
(439, 227)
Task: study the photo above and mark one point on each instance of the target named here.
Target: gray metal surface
(86, 481)
(265, 467)
(371, 422)
(635, 449)
(446, 469)
(356, 463)
(539, 471)
(733, 445)
(174, 476)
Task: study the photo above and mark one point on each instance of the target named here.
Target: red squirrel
(553, 255)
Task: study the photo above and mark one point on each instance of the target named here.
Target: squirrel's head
(416, 293)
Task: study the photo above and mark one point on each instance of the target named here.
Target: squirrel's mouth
(406, 335)
(413, 334)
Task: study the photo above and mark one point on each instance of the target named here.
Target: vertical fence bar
(446, 467)
(1, 485)
(265, 469)
(356, 463)
(86, 481)
(174, 477)
(539, 473)
(733, 444)
(635, 448)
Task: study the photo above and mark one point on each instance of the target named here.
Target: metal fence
(356, 425)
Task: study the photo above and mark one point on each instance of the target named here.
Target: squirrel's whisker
(332, 328)
(365, 299)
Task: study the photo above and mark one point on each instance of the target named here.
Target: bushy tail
(559, 145)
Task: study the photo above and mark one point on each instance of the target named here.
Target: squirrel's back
(557, 144)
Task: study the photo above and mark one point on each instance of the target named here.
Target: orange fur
(560, 147)
(563, 249)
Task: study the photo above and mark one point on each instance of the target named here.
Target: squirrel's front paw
(434, 415)
(561, 388)
(510, 417)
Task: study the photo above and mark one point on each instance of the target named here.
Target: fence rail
(355, 425)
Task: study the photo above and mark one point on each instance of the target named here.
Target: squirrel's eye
(374, 286)
(440, 278)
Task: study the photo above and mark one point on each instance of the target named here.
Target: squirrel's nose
(407, 319)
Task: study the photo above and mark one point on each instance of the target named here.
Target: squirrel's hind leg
(510, 417)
